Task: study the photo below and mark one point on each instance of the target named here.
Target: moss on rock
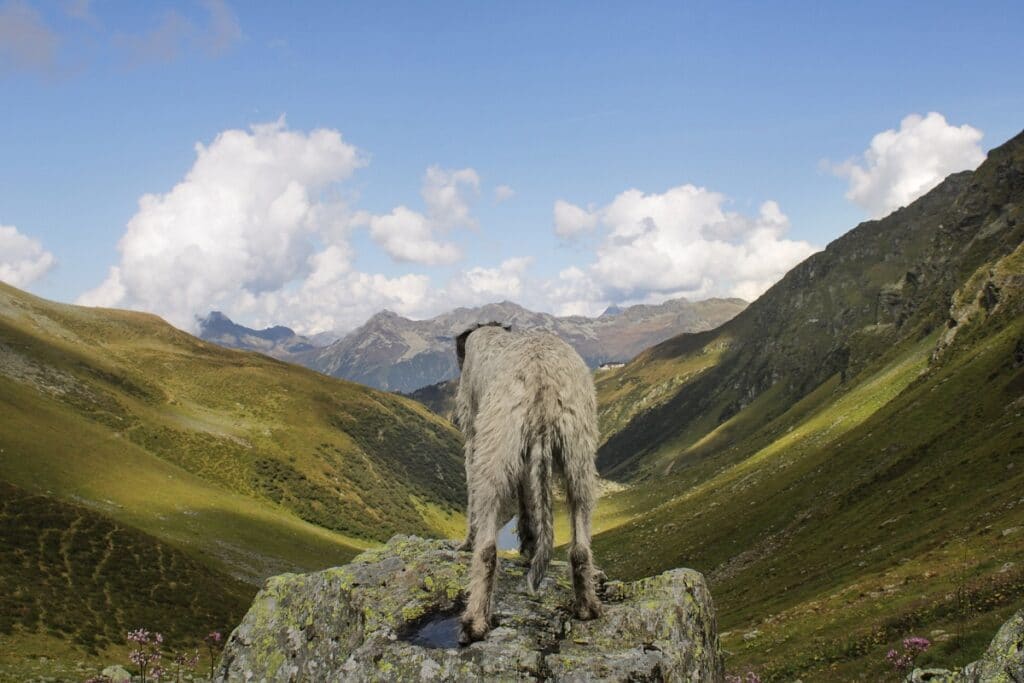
(352, 623)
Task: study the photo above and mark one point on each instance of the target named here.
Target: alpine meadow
(153, 478)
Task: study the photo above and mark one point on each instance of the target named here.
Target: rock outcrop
(392, 613)
(1003, 661)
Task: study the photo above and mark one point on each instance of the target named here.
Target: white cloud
(26, 42)
(503, 193)
(683, 242)
(244, 220)
(485, 285)
(250, 230)
(571, 220)
(255, 229)
(22, 259)
(336, 298)
(574, 292)
(449, 195)
(900, 166)
(408, 236)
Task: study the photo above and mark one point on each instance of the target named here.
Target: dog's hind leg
(524, 522)
(476, 618)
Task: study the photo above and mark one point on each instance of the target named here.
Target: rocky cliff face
(391, 615)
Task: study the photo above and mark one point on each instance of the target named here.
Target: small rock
(751, 635)
(1011, 530)
(1006, 567)
(117, 674)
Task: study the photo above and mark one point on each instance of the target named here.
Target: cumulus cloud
(335, 297)
(449, 195)
(571, 220)
(409, 236)
(244, 219)
(253, 229)
(22, 259)
(485, 285)
(503, 193)
(26, 42)
(901, 165)
(574, 292)
(683, 242)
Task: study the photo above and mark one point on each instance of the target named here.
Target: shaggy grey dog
(527, 407)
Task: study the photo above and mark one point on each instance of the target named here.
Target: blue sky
(709, 111)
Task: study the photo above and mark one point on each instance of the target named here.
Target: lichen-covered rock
(1003, 661)
(363, 622)
(117, 674)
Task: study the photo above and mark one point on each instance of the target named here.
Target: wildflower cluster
(902, 661)
(214, 641)
(146, 653)
(184, 661)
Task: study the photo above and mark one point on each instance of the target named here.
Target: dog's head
(460, 341)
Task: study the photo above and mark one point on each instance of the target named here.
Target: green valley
(844, 458)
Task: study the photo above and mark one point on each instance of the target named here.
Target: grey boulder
(391, 615)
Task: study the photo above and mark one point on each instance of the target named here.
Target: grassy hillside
(71, 573)
(843, 459)
(238, 464)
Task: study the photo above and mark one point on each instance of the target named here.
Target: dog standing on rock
(527, 407)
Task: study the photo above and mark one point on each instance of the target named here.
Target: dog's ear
(460, 345)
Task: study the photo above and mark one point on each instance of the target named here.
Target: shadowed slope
(844, 456)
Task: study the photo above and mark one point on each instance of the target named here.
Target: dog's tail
(540, 460)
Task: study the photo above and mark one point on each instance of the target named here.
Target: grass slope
(844, 487)
(242, 465)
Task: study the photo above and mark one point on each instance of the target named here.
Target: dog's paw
(472, 630)
(587, 610)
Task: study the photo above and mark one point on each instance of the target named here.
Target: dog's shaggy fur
(527, 407)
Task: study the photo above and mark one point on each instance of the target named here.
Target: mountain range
(278, 341)
(398, 354)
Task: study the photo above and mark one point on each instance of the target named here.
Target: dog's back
(532, 397)
(535, 376)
